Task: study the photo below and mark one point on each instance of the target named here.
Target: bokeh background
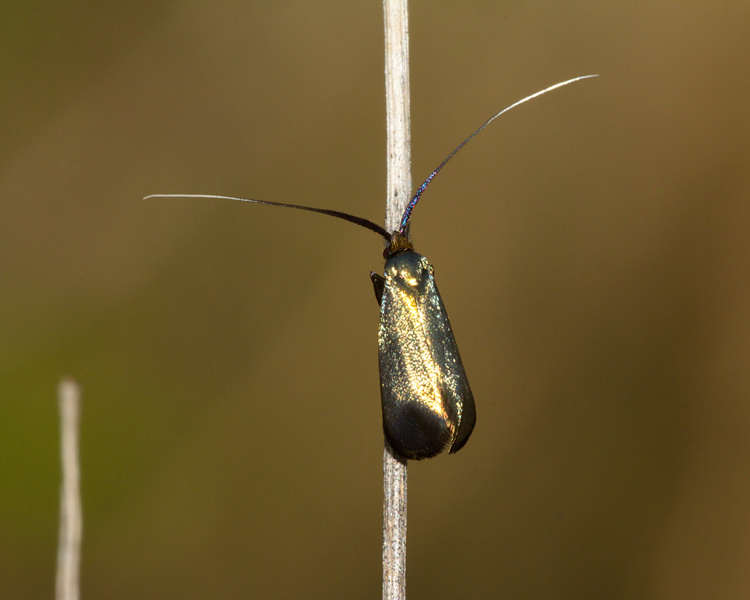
(592, 248)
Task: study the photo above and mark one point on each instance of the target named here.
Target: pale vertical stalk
(397, 111)
(398, 196)
(71, 516)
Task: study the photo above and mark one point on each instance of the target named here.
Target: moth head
(399, 242)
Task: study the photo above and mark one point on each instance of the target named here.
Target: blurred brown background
(592, 248)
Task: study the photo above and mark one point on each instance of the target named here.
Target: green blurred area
(591, 248)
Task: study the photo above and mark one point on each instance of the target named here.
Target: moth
(427, 404)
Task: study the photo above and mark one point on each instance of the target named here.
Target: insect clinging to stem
(427, 404)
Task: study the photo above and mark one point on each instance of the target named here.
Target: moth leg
(378, 282)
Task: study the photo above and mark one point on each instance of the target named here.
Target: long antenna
(418, 194)
(366, 223)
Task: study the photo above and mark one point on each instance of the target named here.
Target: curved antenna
(366, 223)
(415, 199)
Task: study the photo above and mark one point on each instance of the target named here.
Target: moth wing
(428, 406)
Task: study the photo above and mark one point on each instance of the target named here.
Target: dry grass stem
(71, 515)
(398, 195)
